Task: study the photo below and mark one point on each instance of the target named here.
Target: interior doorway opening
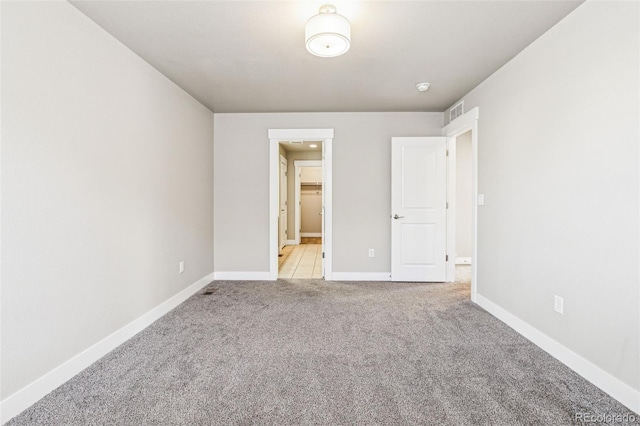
(300, 203)
(463, 197)
(308, 200)
(300, 257)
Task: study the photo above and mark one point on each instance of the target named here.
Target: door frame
(464, 123)
(285, 135)
(297, 196)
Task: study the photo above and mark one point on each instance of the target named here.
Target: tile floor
(300, 261)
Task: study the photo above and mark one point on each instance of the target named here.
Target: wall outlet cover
(558, 304)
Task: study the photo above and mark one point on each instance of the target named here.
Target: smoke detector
(423, 87)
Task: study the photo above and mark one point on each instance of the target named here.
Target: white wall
(106, 185)
(464, 237)
(558, 164)
(360, 218)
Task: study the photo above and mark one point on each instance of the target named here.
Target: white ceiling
(249, 56)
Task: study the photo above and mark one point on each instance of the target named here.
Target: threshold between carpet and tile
(322, 352)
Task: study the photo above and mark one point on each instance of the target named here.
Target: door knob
(395, 216)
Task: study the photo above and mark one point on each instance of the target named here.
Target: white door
(282, 218)
(418, 209)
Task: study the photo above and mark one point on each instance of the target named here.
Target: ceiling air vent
(456, 111)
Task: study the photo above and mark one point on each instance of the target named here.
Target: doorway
(301, 256)
(423, 168)
(300, 145)
(463, 201)
(308, 187)
(463, 133)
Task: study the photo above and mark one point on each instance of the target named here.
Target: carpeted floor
(334, 353)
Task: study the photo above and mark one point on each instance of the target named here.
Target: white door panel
(418, 208)
(416, 247)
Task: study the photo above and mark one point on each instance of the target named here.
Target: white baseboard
(311, 234)
(33, 392)
(605, 381)
(463, 261)
(292, 242)
(361, 276)
(242, 276)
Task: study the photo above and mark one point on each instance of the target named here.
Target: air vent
(456, 111)
(296, 142)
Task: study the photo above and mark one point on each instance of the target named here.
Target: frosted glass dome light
(327, 34)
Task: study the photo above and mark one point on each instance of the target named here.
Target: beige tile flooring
(300, 261)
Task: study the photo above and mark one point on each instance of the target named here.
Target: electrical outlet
(371, 253)
(181, 266)
(558, 304)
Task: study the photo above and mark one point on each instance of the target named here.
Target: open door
(418, 209)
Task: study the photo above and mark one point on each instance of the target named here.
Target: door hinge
(447, 204)
(447, 153)
(446, 258)
(285, 203)
(323, 255)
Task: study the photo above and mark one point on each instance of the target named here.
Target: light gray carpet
(316, 352)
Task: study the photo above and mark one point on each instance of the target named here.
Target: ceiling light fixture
(423, 87)
(327, 34)
(313, 145)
